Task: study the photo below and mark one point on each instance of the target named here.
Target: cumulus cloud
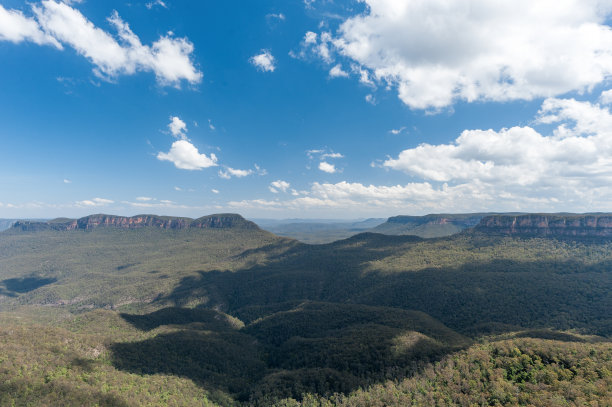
(368, 199)
(338, 72)
(264, 61)
(279, 186)
(177, 127)
(437, 52)
(327, 167)
(95, 202)
(57, 23)
(324, 155)
(606, 97)
(186, 156)
(15, 27)
(569, 168)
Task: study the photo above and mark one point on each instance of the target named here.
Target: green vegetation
(523, 372)
(227, 316)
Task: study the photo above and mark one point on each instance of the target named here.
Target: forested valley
(230, 314)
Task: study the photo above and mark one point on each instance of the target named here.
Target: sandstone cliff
(219, 221)
(595, 225)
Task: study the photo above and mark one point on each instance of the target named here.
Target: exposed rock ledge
(219, 221)
(596, 225)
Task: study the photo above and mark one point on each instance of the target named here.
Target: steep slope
(6, 223)
(554, 225)
(112, 261)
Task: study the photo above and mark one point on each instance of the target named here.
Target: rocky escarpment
(435, 225)
(588, 225)
(462, 220)
(219, 221)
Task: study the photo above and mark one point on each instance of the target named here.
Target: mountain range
(226, 313)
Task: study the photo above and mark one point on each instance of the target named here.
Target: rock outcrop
(588, 225)
(219, 221)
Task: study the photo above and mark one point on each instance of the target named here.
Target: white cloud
(168, 57)
(369, 199)
(319, 46)
(310, 37)
(322, 154)
(178, 188)
(186, 156)
(152, 4)
(15, 27)
(177, 127)
(264, 61)
(279, 185)
(230, 172)
(144, 199)
(95, 202)
(606, 97)
(512, 169)
(67, 181)
(331, 155)
(210, 125)
(338, 72)
(370, 99)
(214, 191)
(437, 52)
(572, 165)
(397, 131)
(327, 167)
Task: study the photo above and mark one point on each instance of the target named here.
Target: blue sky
(318, 108)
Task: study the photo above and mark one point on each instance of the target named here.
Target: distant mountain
(559, 224)
(218, 221)
(318, 231)
(434, 225)
(6, 223)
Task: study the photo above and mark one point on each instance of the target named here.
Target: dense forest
(236, 315)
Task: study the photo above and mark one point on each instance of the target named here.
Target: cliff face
(220, 221)
(596, 225)
(462, 220)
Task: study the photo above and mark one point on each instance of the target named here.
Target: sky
(304, 108)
